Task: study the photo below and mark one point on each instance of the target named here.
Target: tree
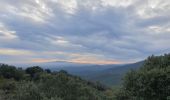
(33, 71)
(7, 71)
(48, 70)
(150, 82)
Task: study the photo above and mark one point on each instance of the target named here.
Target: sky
(83, 31)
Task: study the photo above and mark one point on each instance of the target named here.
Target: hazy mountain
(75, 68)
(114, 75)
(110, 74)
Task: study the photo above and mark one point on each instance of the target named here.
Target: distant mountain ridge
(110, 74)
(114, 75)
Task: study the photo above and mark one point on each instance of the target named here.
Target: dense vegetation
(150, 82)
(34, 83)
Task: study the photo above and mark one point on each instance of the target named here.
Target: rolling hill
(109, 75)
(112, 76)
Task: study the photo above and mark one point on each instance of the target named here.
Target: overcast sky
(84, 31)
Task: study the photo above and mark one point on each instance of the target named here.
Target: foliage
(42, 84)
(151, 82)
(8, 72)
(33, 71)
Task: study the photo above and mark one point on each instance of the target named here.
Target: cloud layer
(94, 31)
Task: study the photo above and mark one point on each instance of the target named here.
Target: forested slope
(35, 83)
(149, 82)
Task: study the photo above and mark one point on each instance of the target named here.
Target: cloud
(14, 52)
(35, 10)
(5, 33)
(100, 31)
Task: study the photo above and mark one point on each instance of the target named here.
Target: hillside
(150, 81)
(112, 76)
(34, 83)
(109, 75)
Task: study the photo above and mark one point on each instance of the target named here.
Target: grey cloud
(115, 32)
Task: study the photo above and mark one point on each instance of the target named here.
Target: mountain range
(109, 75)
(112, 76)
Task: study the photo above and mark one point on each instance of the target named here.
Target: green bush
(151, 82)
(49, 86)
(8, 72)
